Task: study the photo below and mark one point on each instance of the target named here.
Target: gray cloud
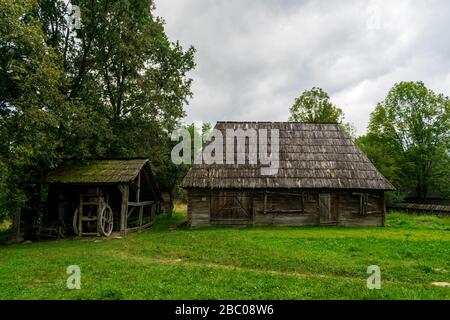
(254, 57)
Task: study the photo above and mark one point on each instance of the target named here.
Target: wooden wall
(349, 214)
(198, 208)
(285, 207)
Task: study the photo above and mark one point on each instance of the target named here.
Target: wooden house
(101, 196)
(323, 179)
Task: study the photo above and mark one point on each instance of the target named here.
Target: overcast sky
(254, 57)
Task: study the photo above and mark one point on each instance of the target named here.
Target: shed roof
(312, 155)
(98, 172)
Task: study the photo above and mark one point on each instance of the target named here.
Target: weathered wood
(130, 211)
(140, 204)
(98, 182)
(286, 211)
(265, 202)
(312, 156)
(325, 208)
(141, 215)
(145, 226)
(276, 208)
(124, 209)
(199, 208)
(138, 190)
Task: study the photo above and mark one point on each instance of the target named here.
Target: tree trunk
(421, 188)
(171, 202)
(16, 225)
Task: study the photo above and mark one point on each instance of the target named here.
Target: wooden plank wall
(283, 209)
(198, 208)
(279, 203)
(349, 210)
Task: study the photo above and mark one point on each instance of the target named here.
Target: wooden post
(138, 191)
(303, 202)
(141, 214)
(265, 202)
(124, 209)
(384, 210)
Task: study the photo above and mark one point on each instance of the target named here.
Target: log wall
(286, 208)
(199, 208)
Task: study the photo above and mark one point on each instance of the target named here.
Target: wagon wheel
(106, 221)
(75, 222)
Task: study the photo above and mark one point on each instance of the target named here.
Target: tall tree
(124, 69)
(316, 106)
(31, 103)
(115, 87)
(415, 122)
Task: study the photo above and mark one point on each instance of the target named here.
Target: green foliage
(244, 263)
(116, 87)
(316, 106)
(31, 103)
(389, 162)
(171, 174)
(409, 139)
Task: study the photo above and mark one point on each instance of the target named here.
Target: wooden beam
(124, 209)
(138, 191)
(140, 227)
(130, 211)
(141, 214)
(140, 204)
(265, 202)
(284, 211)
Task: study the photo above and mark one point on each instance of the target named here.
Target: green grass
(172, 262)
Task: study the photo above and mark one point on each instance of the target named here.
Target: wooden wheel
(106, 221)
(75, 222)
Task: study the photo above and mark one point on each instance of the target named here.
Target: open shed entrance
(98, 197)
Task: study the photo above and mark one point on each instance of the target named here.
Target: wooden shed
(101, 196)
(323, 179)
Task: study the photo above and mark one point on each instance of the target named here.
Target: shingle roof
(98, 172)
(312, 155)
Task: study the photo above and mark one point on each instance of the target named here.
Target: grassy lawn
(172, 262)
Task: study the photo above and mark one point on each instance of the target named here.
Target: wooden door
(327, 214)
(231, 207)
